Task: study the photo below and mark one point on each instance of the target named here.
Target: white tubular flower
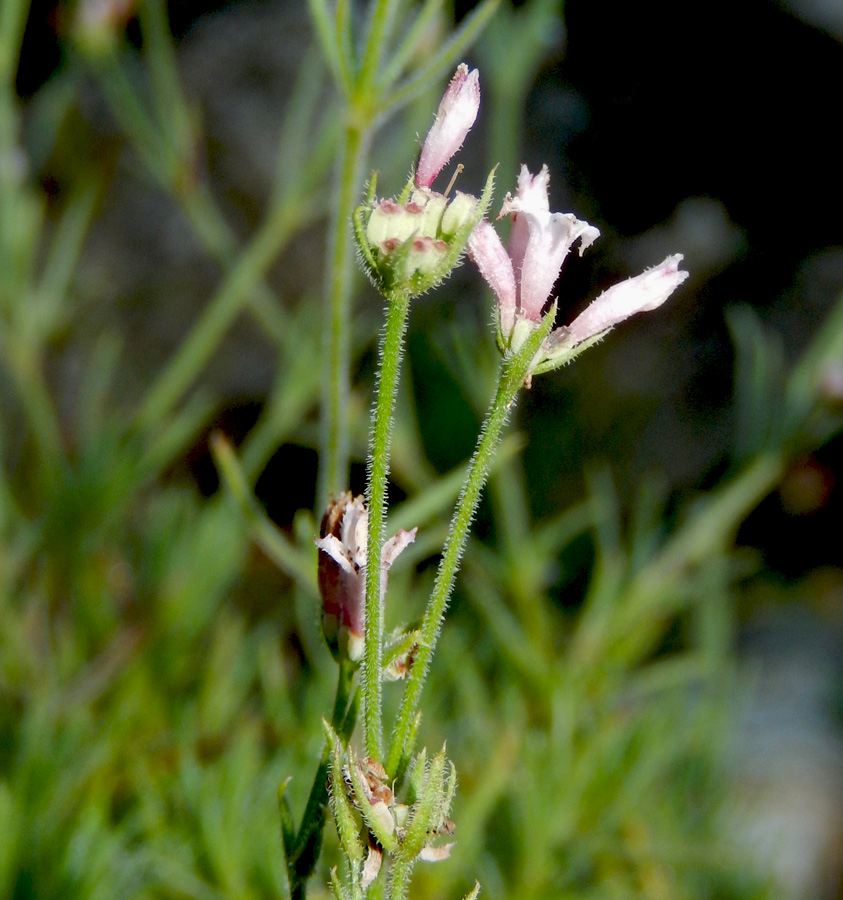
(522, 276)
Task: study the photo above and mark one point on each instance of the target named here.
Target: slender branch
(302, 861)
(333, 475)
(513, 375)
(391, 348)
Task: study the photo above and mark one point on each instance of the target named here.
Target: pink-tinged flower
(342, 543)
(642, 293)
(410, 244)
(490, 256)
(454, 118)
(540, 240)
(522, 277)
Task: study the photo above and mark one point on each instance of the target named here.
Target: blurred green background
(640, 683)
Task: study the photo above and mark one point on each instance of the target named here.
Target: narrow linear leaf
(413, 40)
(288, 828)
(474, 892)
(348, 828)
(426, 810)
(345, 37)
(320, 13)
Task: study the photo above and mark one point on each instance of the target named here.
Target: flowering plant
(160, 689)
(408, 245)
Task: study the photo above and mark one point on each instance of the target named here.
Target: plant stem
(513, 374)
(390, 363)
(399, 878)
(333, 475)
(302, 861)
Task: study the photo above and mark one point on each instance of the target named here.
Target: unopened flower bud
(426, 255)
(459, 212)
(414, 245)
(454, 118)
(432, 206)
(391, 223)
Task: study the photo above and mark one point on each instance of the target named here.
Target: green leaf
(288, 829)
(426, 812)
(447, 56)
(348, 827)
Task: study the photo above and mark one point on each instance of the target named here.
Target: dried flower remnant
(522, 276)
(408, 829)
(342, 572)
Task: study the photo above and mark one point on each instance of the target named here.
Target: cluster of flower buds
(361, 793)
(342, 544)
(522, 276)
(413, 242)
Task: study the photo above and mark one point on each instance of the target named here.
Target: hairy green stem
(390, 363)
(399, 878)
(513, 375)
(302, 861)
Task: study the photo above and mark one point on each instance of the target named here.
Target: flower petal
(642, 293)
(489, 255)
(540, 240)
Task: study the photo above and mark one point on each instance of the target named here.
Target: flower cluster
(412, 242)
(522, 276)
(362, 793)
